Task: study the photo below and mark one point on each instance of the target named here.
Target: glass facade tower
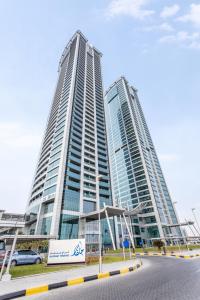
(74, 149)
(136, 174)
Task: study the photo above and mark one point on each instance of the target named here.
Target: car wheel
(13, 263)
(38, 261)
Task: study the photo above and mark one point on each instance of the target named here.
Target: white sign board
(66, 251)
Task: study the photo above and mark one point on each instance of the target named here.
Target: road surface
(161, 279)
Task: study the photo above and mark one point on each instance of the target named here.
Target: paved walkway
(48, 278)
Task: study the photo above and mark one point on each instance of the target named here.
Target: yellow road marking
(36, 290)
(44, 288)
(75, 281)
(103, 275)
(125, 270)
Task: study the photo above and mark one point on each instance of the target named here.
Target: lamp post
(188, 223)
(174, 203)
(122, 230)
(7, 275)
(98, 178)
(195, 217)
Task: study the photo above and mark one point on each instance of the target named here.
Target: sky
(154, 43)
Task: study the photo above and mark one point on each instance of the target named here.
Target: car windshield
(15, 252)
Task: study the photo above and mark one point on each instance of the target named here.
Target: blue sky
(155, 44)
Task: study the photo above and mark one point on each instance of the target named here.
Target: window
(88, 206)
(46, 226)
(71, 200)
(68, 227)
(48, 207)
(49, 191)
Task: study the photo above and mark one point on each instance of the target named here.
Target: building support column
(110, 229)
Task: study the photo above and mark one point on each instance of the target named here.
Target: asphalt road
(159, 279)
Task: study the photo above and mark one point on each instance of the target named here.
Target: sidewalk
(54, 277)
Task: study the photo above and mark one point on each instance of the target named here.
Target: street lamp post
(98, 178)
(188, 223)
(184, 240)
(122, 237)
(122, 230)
(100, 257)
(177, 240)
(7, 276)
(3, 264)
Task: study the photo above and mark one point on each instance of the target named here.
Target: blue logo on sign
(78, 250)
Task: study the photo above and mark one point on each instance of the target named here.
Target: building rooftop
(78, 32)
(122, 77)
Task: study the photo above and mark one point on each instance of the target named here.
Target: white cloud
(167, 39)
(133, 8)
(169, 11)
(193, 16)
(160, 27)
(183, 38)
(195, 45)
(166, 27)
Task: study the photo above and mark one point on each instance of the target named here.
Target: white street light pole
(98, 178)
(100, 257)
(3, 264)
(7, 276)
(122, 237)
(195, 217)
(184, 239)
(190, 227)
(174, 203)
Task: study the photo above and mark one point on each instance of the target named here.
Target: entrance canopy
(111, 211)
(10, 221)
(25, 238)
(180, 224)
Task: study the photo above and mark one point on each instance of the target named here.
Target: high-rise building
(136, 174)
(74, 149)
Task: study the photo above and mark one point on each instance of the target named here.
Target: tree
(159, 244)
(38, 245)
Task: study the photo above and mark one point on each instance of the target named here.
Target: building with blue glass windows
(136, 174)
(73, 151)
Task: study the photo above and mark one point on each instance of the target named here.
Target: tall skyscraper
(136, 174)
(74, 148)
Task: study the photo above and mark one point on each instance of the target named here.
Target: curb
(168, 255)
(75, 281)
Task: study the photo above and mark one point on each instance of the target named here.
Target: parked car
(25, 257)
(2, 251)
(2, 254)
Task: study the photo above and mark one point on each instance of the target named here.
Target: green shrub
(91, 259)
